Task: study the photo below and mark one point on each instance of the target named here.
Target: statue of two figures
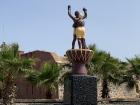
(79, 28)
(79, 84)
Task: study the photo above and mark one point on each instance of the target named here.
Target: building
(25, 90)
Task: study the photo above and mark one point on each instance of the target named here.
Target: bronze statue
(79, 29)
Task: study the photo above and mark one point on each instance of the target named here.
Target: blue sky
(113, 25)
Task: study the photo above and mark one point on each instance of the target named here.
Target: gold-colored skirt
(79, 32)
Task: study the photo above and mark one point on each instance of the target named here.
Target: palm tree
(49, 76)
(106, 67)
(132, 75)
(11, 67)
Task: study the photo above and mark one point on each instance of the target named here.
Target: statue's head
(77, 14)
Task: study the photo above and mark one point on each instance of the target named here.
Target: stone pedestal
(80, 90)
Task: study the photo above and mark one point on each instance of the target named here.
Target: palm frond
(11, 62)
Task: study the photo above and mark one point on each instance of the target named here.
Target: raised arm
(69, 12)
(85, 13)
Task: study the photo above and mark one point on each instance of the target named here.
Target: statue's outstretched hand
(84, 9)
(69, 7)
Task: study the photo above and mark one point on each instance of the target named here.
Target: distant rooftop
(51, 56)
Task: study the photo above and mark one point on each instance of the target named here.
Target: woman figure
(79, 29)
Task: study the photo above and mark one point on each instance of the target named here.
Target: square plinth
(80, 90)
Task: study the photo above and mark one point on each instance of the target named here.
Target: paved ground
(98, 104)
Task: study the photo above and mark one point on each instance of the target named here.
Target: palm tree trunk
(138, 90)
(105, 89)
(49, 94)
(9, 91)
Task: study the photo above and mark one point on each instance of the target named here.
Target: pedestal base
(80, 90)
(78, 58)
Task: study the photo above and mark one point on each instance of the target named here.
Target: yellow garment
(79, 32)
